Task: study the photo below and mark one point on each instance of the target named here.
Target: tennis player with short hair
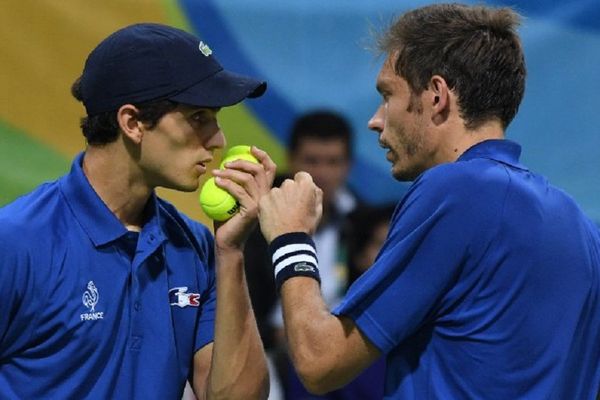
(488, 284)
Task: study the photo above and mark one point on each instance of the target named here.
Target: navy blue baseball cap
(144, 62)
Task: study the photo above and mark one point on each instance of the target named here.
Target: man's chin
(192, 187)
(403, 176)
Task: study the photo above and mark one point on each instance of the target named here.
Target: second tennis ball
(217, 203)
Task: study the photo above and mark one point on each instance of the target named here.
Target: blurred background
(313, 53)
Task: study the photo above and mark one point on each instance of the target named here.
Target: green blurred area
(25, 163)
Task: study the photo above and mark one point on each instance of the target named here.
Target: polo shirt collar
(96, 219)
(501, 150)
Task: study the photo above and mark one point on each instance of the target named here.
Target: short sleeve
(205, 329)
(433, 231)
(17, 293)
(206, 325)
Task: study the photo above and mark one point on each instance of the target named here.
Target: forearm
(327, 351)
(238, 369)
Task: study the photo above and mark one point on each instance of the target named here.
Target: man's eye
(310, 160)
(200, 117)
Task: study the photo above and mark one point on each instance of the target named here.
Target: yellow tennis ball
(239, 149)
(229, 158)
(217, 203)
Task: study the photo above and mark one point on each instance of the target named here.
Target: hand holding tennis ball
(217, 203)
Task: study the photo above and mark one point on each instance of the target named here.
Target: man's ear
(131, 126)
(439, 98)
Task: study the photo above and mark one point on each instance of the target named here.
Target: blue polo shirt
(90, 310)
(487, 287)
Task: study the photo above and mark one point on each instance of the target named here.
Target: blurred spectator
(367, 231)
(320, 144)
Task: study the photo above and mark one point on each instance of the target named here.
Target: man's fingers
(286, 183)
(263, 171)
(234, 188)
(303, 177)
(266, 161)
(319, 209)
(319, 195)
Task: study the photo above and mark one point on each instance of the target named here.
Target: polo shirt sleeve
(205, 330)
(431, 233)
(19, 298)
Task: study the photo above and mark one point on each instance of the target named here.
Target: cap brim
(222, 89)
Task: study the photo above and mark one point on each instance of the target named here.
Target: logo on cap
(204, 49)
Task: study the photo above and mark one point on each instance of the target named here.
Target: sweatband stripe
(290, 248)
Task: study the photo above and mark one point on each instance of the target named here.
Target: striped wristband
(293, 254)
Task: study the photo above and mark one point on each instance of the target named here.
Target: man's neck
(118, 182)
(460, 140)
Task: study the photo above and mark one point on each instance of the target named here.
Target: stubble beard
(412, 143)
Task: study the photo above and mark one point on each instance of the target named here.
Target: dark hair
(322, 125)
(475, 49)
(103, 128)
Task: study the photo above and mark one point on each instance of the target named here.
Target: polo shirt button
(137, 306)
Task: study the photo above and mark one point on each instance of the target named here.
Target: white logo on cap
(204, 49)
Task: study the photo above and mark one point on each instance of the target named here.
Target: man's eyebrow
(195, 109)
(381, 86)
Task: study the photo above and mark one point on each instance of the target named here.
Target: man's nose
(377, 121)
(217, 141)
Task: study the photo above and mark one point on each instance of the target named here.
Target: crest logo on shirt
(90, 299)
(179, 297)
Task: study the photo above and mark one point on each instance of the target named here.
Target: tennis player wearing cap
(108, 292)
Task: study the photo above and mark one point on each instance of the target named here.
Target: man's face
(401, 125)
(176, 152)
(325, 159)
